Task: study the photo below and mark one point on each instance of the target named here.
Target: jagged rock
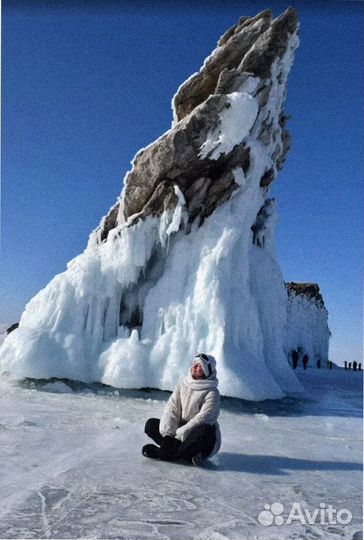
(248, 49)
(309, 290)
(231, 51)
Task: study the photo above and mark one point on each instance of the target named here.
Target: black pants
(201, 439)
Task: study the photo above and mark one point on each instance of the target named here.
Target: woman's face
(197, 371)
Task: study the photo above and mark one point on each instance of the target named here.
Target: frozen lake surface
(71, 465)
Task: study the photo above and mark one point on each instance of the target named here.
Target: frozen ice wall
(185, 261)
(307, 324)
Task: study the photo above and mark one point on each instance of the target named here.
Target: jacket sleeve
(208, 414)
(172, 414)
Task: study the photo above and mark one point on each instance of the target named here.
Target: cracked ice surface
(71, 465)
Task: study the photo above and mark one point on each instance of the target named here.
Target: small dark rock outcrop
(12, 327)
(310, 290)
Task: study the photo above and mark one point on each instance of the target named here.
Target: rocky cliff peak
(244, 76)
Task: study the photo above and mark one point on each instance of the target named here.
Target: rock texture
(309, 290)
(248, 49)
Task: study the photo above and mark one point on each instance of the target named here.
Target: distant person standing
(349, 365)
(345, 365)
(355, 365)
(330, 364)
(318, 364)
(359, 367)
(305, 361)
(295, 357)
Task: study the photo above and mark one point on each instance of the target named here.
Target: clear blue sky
(86, 84)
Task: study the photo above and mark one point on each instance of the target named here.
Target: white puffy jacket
(192, 403)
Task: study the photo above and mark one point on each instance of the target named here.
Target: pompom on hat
(207, 362)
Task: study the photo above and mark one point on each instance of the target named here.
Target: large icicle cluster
(185, 261)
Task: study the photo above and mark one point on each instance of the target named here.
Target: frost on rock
(185, 260)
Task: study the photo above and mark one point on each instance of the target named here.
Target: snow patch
(235, 123)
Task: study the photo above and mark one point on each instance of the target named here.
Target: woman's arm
(172, 414)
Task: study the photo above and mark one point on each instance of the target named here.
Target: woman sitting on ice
(188, 429)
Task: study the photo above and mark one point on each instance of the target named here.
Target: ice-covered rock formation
(185, 261)
(307, 324)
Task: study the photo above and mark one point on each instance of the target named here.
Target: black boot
(151, 451)
(154, 452)
(167, 452)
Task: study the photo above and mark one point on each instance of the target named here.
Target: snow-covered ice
(70, 328)
(307, 327)
(71, 465)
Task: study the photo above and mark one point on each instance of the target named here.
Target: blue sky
(86, 84)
